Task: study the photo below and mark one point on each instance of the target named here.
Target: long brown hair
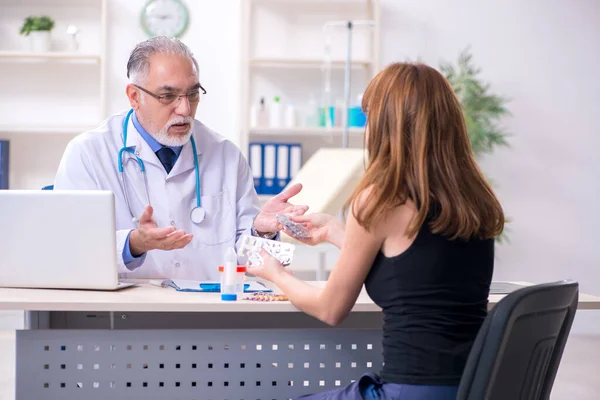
(419, 150)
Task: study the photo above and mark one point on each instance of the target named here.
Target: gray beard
(165, 139)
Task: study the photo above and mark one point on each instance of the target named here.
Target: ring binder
(4, 150)
(274, 165)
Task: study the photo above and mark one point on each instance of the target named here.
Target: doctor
(183, 193)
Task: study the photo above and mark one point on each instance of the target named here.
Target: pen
(157, 283)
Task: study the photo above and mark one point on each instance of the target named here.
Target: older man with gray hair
(183, 193)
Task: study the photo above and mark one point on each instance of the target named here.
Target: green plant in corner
(32, 24)
(482, 110)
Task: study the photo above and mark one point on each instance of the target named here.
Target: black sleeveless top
(434, 299)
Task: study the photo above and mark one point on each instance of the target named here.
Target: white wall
(544, 55)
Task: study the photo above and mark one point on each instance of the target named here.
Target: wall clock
(165, 18)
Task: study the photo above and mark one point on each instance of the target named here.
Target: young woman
(419, 234)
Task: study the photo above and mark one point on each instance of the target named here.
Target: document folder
(183, 285)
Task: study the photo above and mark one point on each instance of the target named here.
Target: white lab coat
(227, 195)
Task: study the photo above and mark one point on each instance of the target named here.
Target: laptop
(58, 240)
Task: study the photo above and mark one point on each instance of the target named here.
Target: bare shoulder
(392, 220)
(363, 198)
(395, 227)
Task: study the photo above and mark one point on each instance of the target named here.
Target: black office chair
(518, 349)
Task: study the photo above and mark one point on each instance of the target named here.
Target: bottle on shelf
(312, 113)
(290, 116)
(338, 113)
(327, 113)
(356, 116)
(258, 115)
(276, 113)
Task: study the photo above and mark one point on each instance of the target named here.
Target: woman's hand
(321, 228)
(270, 268)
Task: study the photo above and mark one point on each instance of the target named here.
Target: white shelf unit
(283, 55)
(59, 91)
(304, 63)
(49, 56)
(45, 129)
(308, 132)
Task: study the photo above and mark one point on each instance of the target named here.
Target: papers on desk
(183, 285)
(500, 287)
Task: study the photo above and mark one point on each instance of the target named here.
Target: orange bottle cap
(240, 268)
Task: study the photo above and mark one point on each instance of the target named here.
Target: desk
(156, 343)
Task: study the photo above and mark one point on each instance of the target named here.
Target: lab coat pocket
(219, 223)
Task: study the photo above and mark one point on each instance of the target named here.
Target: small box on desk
(274, 165)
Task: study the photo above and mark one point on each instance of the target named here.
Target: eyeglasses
(168, 98)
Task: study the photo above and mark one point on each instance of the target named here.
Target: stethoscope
(196, 215)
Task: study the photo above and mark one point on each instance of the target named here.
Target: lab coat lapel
(185, 161)
(139, 145)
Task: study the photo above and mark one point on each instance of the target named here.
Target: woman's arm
(332, 303)
(335, 233)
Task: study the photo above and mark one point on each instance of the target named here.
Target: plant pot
(39, 41)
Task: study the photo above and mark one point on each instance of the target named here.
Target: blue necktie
(167, 157)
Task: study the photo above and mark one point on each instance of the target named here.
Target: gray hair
(139, 59)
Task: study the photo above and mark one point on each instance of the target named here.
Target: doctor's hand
(148, 236)
(265, 221)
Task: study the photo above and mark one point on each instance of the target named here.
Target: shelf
(312, 5)
(314, 2)
(318, 131)
(48, 56)
(283, 54)
(50, 129)
(53, 3)
(305, 63)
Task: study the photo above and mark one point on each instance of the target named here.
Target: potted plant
(38, 29)
(482, 109)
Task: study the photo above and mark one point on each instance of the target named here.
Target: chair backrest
(518, 349)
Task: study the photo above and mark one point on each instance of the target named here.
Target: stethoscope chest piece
(197, 215)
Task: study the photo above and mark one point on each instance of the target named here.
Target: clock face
(165, 18)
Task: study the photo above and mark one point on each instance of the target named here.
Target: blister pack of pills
(250, 246)
(262, 296)
(297, 230)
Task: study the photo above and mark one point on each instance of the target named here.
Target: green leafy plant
(31, 24)
(482, 110)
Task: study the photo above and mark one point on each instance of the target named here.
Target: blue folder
(273, 170)
(4, 149)
(210, 287)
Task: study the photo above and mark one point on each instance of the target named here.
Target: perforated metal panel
(191, 364)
